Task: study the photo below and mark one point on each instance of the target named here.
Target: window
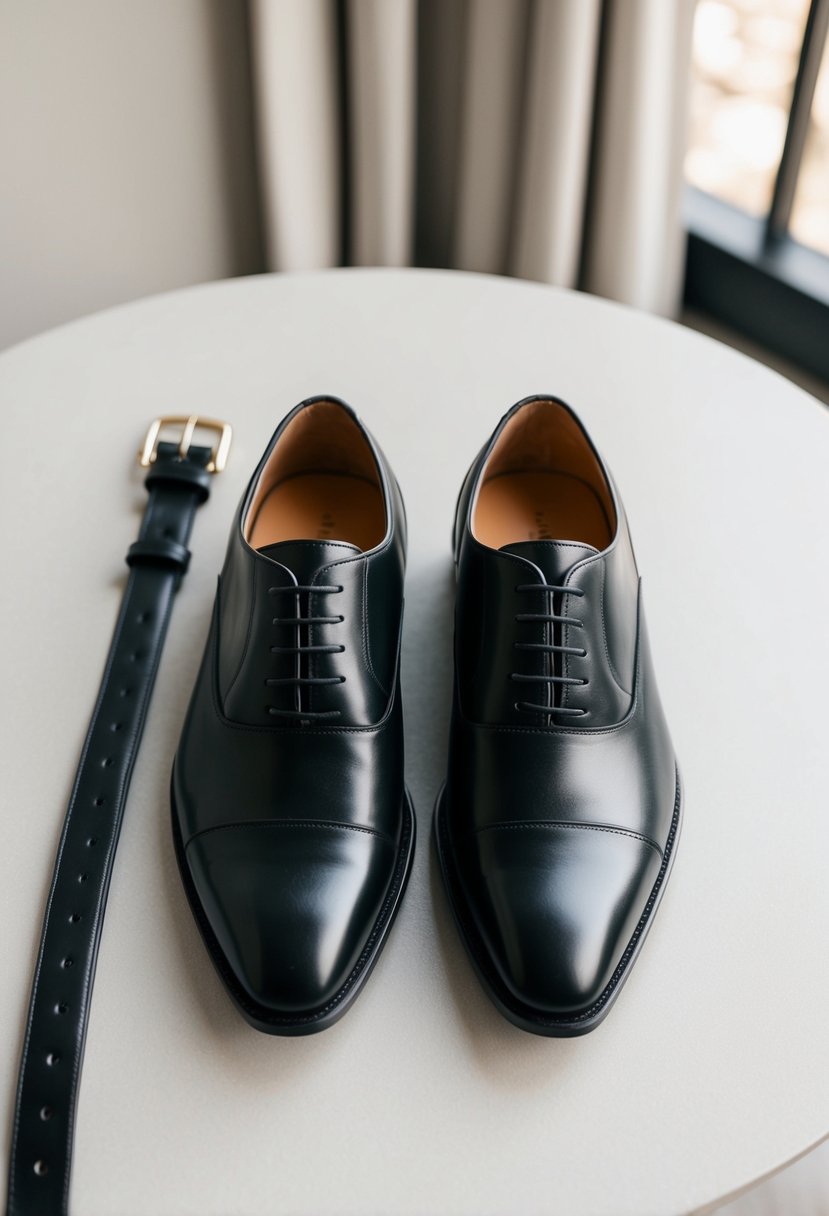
(757, 201)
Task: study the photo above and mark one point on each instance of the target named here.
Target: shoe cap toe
(557, 905)
(291, 905)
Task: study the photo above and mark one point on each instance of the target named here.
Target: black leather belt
(44, 1118)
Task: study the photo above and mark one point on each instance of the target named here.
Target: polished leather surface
(555, 826)
(291, 827)
(47, 1098)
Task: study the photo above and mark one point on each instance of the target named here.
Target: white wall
(126, 153)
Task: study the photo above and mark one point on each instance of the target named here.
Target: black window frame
(749, 272)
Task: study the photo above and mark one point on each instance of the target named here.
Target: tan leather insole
(539, 506)
(321, 506)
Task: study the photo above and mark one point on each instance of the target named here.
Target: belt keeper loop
(159, 551)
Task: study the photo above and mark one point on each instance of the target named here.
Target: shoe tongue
(305, 557)
(554, 558)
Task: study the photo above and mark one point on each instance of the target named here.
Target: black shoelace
(299, 682)
(549, 648)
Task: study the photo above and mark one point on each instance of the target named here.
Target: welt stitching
(294, 823)
(582, 827)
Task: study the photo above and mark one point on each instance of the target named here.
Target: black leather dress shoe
(558, 822)
(293, 828)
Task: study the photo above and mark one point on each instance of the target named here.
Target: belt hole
(67, 962)
(93, 840)
(41, 1168)
(74, 918)
(82, 877)
(143, 617)
(46, 1113)
(98, 802)
(116, 726)
(124, 692)
(107, 762)
(52, 1059)
(62, 1007)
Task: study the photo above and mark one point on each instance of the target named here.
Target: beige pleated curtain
(539, 138)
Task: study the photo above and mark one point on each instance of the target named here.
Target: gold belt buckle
(189, 424)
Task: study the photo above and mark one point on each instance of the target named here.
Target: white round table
(713, 1068)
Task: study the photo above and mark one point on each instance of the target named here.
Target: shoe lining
(321, 482)
(320, 506)
(542, 481)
